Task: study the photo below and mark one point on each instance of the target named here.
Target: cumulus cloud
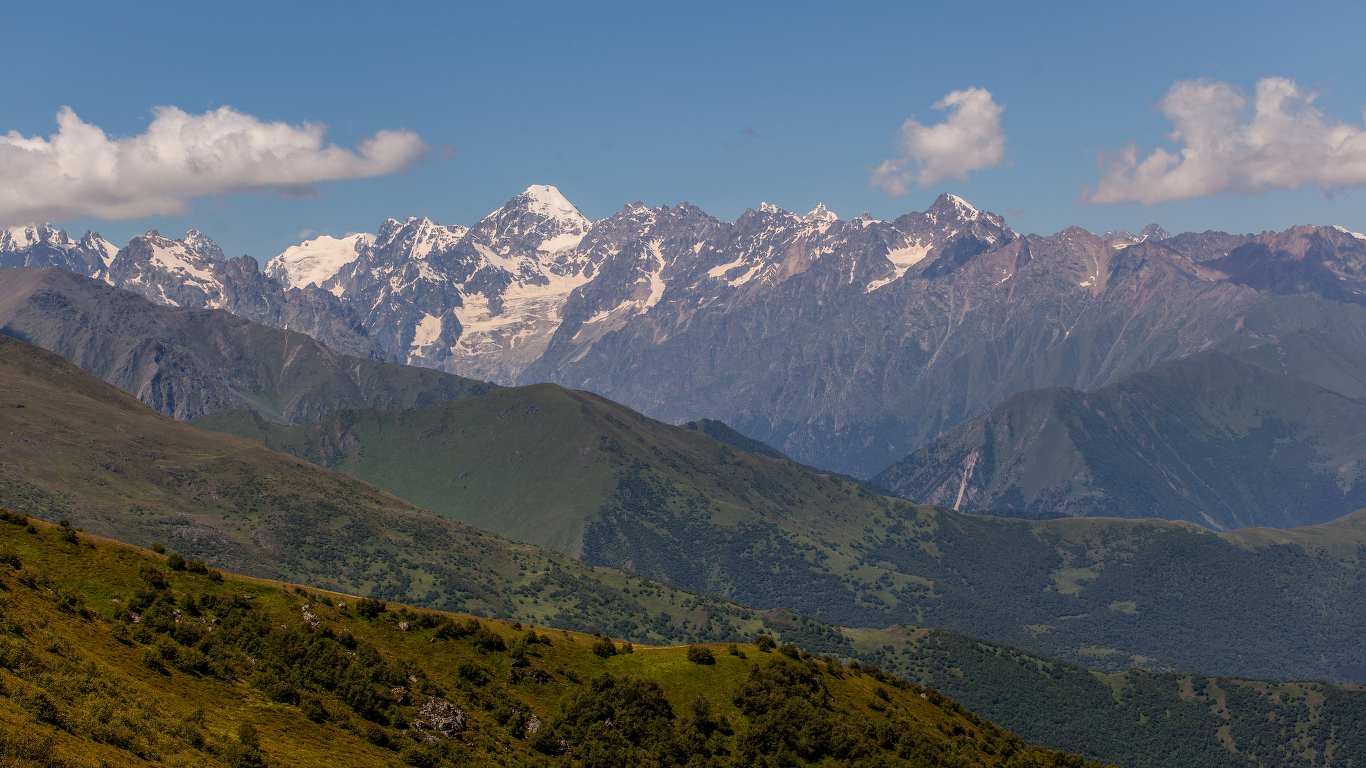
(1276, 141)
(81, 171)
(969, 139)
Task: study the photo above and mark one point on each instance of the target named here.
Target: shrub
(376, 735)
(471, 673)
(158, 548)
(488, 641)
(40, 706)
(420, 756)
(151, 659)
(68, 535)
(604, 647)
(175, 562)
(765, 643)
(789, 650)
(9, 557)
(153, 577)
(699, 655)
(371, 608)
(313, 707)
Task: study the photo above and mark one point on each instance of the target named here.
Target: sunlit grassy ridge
(111, 655)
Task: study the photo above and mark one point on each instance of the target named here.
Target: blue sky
(720, 106)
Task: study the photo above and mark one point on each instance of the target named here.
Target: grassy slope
(1135, 718)
(82, 685)
(1207, 438)
(72, 446)
(186, 362)
(674, 504)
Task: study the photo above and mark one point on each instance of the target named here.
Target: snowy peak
(313, 262)
(1154, 232)
(416, 238)
(201, 244)
(94, 243)
(539, 219)
(820, 215)
(547, 201)
(42, 246)
(953, 207)
(14, 239)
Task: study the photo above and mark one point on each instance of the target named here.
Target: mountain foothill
(1073, 482)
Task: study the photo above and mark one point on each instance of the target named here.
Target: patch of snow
(426, 332)
(721, 270)
(745, 278)
(1088, 282)
(1346, 231)
(109, 250)
(963, 207)
(176, 259)
(561, 242)
(314, 261)
(902, 259)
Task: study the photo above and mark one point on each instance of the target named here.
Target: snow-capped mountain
(482, 300)
(43, 246)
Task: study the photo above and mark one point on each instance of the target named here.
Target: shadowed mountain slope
(1206, 438)
(186, 362)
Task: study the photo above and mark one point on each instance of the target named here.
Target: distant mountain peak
(1155, 232)
(201, 244)
(820, 214)
(1347, 231)
(546, 201)
(954, 205)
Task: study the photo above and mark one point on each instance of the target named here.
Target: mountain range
(844, 344)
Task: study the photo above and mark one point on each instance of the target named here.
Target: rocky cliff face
(846, 344)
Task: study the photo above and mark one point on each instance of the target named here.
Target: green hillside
(1209, 439)
(74, 447)
(113, 656)
(591, 478)
(1136, 718)
(186, 362)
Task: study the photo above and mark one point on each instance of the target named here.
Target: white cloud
(968, 140)
(1279, 141)
(80, 171)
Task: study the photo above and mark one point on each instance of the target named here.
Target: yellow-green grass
(107, 707)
